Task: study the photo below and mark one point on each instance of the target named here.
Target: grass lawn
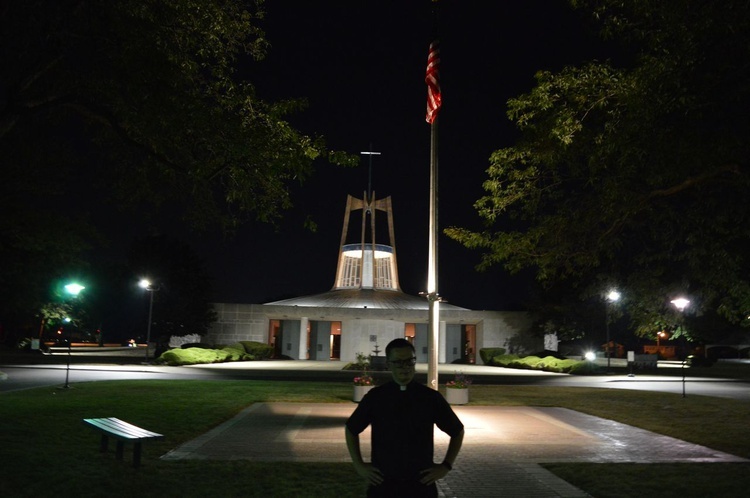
(47, 451)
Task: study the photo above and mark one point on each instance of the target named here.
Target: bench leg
(137, 454)
(118, 453)
(103, 443)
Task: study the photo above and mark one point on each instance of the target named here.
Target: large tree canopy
(149, 91)
(181, 304)
(148, 103)
(634, 171)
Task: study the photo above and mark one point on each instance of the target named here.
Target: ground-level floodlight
(590, 356)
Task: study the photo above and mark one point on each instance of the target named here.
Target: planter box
(456, 396)
(359, 392)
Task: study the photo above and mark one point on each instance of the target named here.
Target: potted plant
(362, 385)
(457, 390)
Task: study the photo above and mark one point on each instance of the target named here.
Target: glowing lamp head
(680, 303)
(74, 288)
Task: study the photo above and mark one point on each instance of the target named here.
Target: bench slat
(121, 429)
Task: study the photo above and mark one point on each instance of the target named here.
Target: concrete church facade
(365, 309)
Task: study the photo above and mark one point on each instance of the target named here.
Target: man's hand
(370, 473)
(432, 474)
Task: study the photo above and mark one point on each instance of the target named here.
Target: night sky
(360, 64)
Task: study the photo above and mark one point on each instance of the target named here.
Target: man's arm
(440, 470)
(453, 448)
(365, 470)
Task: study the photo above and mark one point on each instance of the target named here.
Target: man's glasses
(404, 363)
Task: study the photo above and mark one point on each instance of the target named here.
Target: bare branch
(691, 181)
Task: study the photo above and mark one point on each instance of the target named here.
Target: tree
(141, 104)
(182, 286)
(635, 171)
(154, 89)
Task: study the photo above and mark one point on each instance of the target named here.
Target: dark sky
(360, 64)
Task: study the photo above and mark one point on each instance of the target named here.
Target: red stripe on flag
(432, 78)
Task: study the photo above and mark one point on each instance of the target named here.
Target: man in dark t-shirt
(403, 414)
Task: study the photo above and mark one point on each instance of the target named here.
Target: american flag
(434, 100)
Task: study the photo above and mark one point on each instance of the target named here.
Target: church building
(366, 307)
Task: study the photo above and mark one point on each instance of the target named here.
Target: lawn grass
(47, 451)
(719, 370)
(663, 480)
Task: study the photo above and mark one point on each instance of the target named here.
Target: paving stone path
(502, 449)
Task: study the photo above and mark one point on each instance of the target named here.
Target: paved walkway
(502, 446)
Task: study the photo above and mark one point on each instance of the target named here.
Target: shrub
(196, 356)
(363, 361)
(521, 364)
(236, 355)
(259, 350)
(487, 354)
(545, 353)
(236, 346)
(547, 364)
(504, 360)
(555, 364)
(236, 352)
(201, 345)
(583, 367)
(531, 360)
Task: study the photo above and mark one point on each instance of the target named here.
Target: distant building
(365, 309)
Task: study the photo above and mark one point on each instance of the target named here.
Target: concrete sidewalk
(502, 447)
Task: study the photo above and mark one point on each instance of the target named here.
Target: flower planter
(359, 392)
(456, 396)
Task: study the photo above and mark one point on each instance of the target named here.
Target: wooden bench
(123, 432)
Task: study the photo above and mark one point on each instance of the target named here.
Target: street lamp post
(146, 284)
(67, 366)
(73, 289)
(681, 303)
(612, 297)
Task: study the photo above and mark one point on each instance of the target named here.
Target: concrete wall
(361, 327)
(238, 322)
(361, 336)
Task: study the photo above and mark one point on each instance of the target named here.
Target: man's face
(401, 363)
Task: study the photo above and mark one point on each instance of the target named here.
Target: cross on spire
(369, 171)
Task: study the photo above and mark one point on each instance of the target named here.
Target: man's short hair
(398, 344)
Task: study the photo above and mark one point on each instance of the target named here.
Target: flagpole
(433, 342)
(434, 102)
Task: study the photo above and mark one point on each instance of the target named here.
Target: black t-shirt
(402, 426)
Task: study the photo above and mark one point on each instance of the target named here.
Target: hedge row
(547, 364)
(239, 351)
